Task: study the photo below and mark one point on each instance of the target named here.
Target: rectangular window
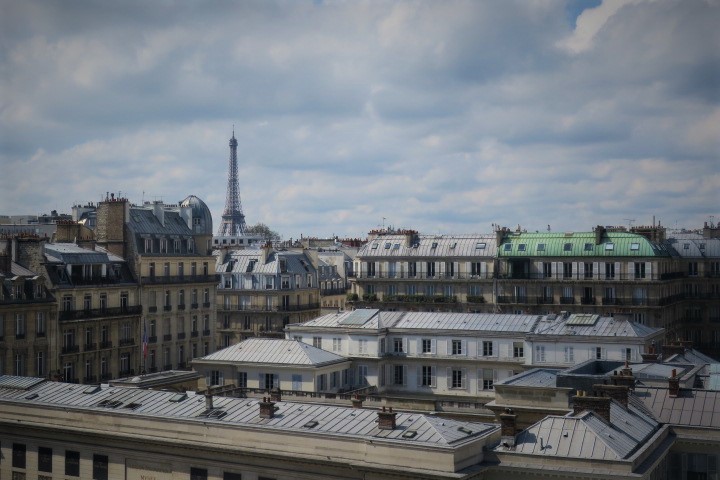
(599, 353)
(317, 342)
(427, 376)
(40, 324)
(100, 467)
(539, 353)
(399, 374)
(609, 270)
(569, 355)
(488, 378)
(18, 455)
(231, 476)
(588, 270)
(547, 269)
(487, 349)
(337, 344)
(45, 459)
(518, 350)
(427, 346)
(398, 345)
(639, 269)
(72, 463)
(242, 379)
(456, 347)
(567, 270)
(362, 346)
(457, 378)
(198, 473)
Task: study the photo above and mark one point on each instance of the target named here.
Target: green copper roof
(579, 244)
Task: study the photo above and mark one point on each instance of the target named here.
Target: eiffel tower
(233, 219)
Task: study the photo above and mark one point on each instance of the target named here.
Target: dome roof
(202, 219)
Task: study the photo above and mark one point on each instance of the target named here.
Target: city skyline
(444, 117)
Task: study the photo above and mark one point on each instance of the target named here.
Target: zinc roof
(603, 327)
(581, 244)
(70, 253)
(144, 221)
(460, 321)
(430, 246)
(587, 435)
(694, 245)
(274, 352)
(537, 377)
(699, 408)
(243, 412)
(238, 261)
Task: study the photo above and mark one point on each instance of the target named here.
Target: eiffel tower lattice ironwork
(233, 219)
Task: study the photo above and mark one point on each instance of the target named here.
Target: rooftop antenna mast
(630, 221)
(233, 219)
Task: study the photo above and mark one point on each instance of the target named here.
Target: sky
(446, 117)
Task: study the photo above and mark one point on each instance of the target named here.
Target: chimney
(625, 378)
(651, 356)
(265, 252)
(618, 392)
(386, 419)
(267, 408)
(599, 232)
(674, 385)
(275, 395)
(598, 405)
(357, 402)
(508, 426)
(208, 400)
(159, 212)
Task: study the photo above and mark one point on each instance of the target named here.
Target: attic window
(434, 245)
(521, 247)
(109, 403)
(387, 245)
(32, 396)
(374, 246)
(409, 434)
(251, 265)
(480, 246)
(588, 247)
(133, 406)
(311, 424)
(453, 245)
(686, 246)
(396, 246)
(567, 247)
(213, 413)
(92, 389)
(634, 246)
(541, 247)
(609, 246)
(178, 397)
(702, 246)
(465, 430)
(508, 247)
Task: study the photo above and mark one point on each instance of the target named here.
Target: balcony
(19, 336)
(152, 339)
(206, 304)
(179, 279)
(268, 308)
(89, 347)
(194, 334)
(107, 344)
(611, 301)
(422, 276)
(91, 379)
(181, 306)
(105, 376)
(544, 300)
(152, 309)
(67, 315)
(181, 336)
(70, 349)
(567, 300)
(167, 337)
(127, 342)
(167, 308)
(206, 333)
(475, 299)
(194, 306)
(587, 301)
(167, 367)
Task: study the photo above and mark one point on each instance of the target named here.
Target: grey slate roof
(243, 412)
(238, 261)
(143, 221)
(271, 351)
(395, 246)
(700, 408)
(17, 269)
(693, 245)
(70, 253)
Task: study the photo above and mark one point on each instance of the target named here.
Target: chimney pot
(386, 420)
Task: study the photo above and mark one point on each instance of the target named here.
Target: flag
(145, 340)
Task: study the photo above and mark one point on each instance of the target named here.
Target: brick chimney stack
(208, 401)
(275, 395)
(386, 419)
(617, 392)
(625, 377)
(508, 426)
(598, 405)
(674, 385)
(357, 402)
(267, 408)
(651, 356)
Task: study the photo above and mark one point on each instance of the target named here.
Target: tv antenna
(630, 221)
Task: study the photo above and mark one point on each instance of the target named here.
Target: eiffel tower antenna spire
(233, 219)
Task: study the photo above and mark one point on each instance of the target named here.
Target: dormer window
(588, 247)
(148, 245)
(387, 245)
(163, 245)
(508, 247)
(567, 247)
(521, 247)
(480, 246)
(634, 246)
(434, 245)
(541, 247)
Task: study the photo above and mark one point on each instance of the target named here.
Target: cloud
(439, 116)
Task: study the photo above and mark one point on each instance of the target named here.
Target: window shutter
(495, 375)
(261, 380)
(648, 270)
(630, 270)
(221, 380)
(617, 270)
(433, 382)
(464, 346)
(433, 346)
(405, 345)
(596, 269)
(419, 346)
(449, 378)
(554, 269)
(600, 271)
(483, 269)
(449, 347)
(464, 379)
(539, 270)
(276, 380)
(404, 370)
(581, 269)
(418, 375)
(456, 269)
